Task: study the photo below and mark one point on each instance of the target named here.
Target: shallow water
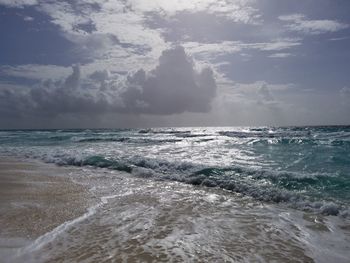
(141, 220)
(198, 194)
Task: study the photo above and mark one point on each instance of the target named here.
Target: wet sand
(35, 198)
(133, 219)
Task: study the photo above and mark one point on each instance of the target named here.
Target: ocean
(204, 194)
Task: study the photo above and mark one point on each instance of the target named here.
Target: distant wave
(126, 139)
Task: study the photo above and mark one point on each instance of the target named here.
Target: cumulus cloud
(300, 23)
(173, 86)
(65, 96)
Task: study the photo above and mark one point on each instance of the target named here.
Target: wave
(299, 166)
(125, 139)
(290, 138)
(250, 136)
(264, 134)
(164, 131)
(96, 139)
(262, 185)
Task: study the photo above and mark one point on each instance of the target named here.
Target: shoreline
(35, 198)
(47, 217)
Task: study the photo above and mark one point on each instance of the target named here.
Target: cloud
(28, 18)
(265, 93)
(280, 55)
(299, 23)
(111, 19)
(345, 96)
(339, 38)
(235, 10)
(173, 87)
(94, 45)
(267, 100)
(35, 71)
(255, 103)
(67, 96)
(18, 3)
(209, 51)
(92, 24)
(345, 91)
(259, 94)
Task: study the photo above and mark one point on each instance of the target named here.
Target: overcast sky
(144, 63)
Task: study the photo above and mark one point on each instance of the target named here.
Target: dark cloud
(174, 86)
(68, 96)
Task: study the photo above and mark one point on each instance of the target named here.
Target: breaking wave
(296, 190)
(304, 167)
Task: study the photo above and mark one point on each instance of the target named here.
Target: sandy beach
(114, 217)
(34, 199)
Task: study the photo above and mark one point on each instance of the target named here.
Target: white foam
(50, 236)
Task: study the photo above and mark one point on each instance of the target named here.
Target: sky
(147, 63)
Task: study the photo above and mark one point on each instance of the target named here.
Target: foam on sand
(34, 200)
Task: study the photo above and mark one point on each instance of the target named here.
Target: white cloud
(209, 51)
(236, 10)
(108, 20)
(280, 55)
(18, 3)
(35, 71)
(126, 21)
(28, 18)
(300, 23)
(276, 45)
(119, 38)
(339, 38)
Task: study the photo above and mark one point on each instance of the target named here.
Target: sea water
(200, 194)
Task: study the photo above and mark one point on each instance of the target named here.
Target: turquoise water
(307, 168)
